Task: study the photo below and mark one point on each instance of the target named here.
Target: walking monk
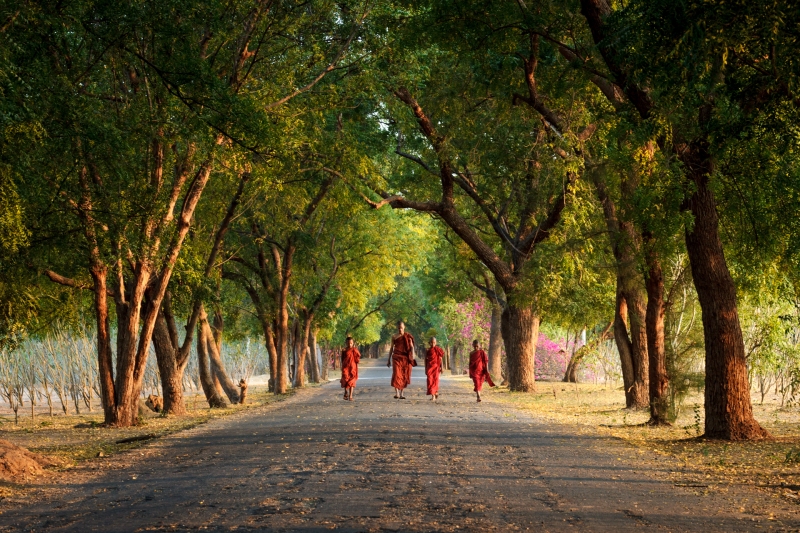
(479, 368)
(350, 359)
(401, 357)
(433, 367)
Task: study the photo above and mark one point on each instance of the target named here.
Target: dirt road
(316, 462)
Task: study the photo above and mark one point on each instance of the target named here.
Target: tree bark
(104, 362)
(728, 408)
(623, 342)
(630, 332)
(520, 328)
(269, 340)
(659, 381)
(295, 344)
(214, 398)
(637, 310)
(496, 342)
(282, 322)
(315, 364)
(217, 367)
(169, 369)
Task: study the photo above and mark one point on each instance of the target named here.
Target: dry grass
(75, 438)
(772, 465)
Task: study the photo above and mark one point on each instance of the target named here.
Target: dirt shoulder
(75, 441)
(771, 467)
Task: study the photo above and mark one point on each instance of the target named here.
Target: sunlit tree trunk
(213, 396)
(729, 412)
(495, 352)
(520, 327)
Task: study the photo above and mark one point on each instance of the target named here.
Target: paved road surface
(316, 462)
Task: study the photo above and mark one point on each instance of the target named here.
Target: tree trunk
(637, 310)
(217, 367)
(214, 398)
(300, 352)
(269, 340)
(282, 327)
(324, 356)
(632, 349)
(729, 412)
(629, 329)
(104, 362)
(520, 327)
(496, 343)
(659, 382)
(170, 372)
(623, 342)
(312, 348)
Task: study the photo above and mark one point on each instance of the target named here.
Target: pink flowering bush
(552, 357)
(469, 321)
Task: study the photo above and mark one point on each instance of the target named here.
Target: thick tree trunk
(169, 369)
(496, 343)
(312, 348)
(214, 398)
(729, 412)
(629, 330)
(520, 327)
(217, 366)
(269, 341)
(300, 349)
(104, 362)
(623, 342)
(282, 330)
(126, 386)
(632, 349)
(659, 382)
(637, 311)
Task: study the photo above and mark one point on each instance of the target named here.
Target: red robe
(433, 367)
(402, 356)
(350, 359)
(479, 369)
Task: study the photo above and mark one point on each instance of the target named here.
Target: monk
(433, 367)
(350, 358)
(401, 358)
(479, 368)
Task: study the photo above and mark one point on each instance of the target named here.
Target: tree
(712, 94)
(117, 81)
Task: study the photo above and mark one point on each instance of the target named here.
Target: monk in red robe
(479, 368)
(433, 367)
(401, 358)
(350, 358)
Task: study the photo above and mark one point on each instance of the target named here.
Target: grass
(702, 463)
